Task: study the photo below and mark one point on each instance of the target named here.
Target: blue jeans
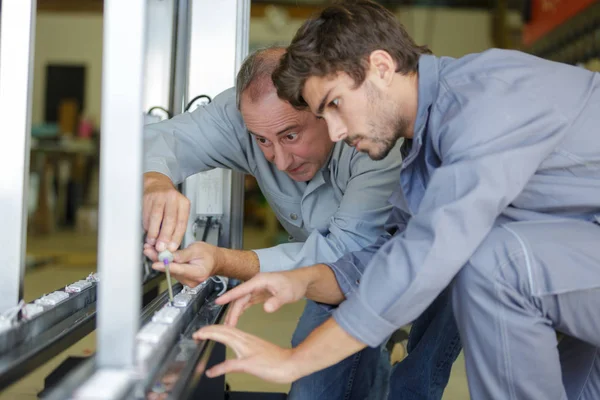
(433, 346)
(363, 375)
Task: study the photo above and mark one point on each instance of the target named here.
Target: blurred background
(63, 191)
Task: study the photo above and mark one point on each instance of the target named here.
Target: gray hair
(257, 69)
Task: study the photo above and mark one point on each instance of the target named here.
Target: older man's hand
(192, 265)
(165, 212)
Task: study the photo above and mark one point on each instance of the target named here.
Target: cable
(223, 281)
(202, 96)
(169, 115)
(206, 228)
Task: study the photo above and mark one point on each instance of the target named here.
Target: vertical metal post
(218, 45)
(120, 229)
(159, 53)
(181, 60)
(16, 64)
(236, 199)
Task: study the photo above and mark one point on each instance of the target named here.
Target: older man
(330, 198)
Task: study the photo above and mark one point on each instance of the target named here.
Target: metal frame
(17, 37)
(120, 213)
(236, 205)
(176, 351)
(31, 343)
(160, 46)
(116, 367)
(179, 94)
(218, 46)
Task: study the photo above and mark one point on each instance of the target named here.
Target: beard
(386, 126)
(385, 129)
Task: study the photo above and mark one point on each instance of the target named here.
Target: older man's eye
(262, 140)
(335, 102)
(291, 136)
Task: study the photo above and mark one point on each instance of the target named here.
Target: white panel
(16, 63)
(120, 229)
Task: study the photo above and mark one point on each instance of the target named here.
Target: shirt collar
(428, 84)
(428, 90)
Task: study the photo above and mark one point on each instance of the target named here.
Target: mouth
(352, 142)
(295, 170)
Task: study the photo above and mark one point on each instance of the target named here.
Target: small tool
(167, 257)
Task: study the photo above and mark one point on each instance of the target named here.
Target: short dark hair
(341, 38)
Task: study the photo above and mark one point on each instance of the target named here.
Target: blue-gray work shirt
(500, 136)
(342, 209)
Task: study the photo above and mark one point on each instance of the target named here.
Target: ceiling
(511, 4)
(96, 5)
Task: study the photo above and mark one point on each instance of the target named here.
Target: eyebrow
(281, 132)
(323, 102)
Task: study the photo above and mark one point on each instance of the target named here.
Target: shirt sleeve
(491, 141)
(350, 268)
(212, 136)
(356, 224)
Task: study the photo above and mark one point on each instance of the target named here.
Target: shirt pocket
(288, 211)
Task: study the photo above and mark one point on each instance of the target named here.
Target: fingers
(150, 252)
(236, 310)
(154, 220)
(228, 366)
(146, 209)
(165, 216)
(254, 284)
(168, 225)
(182, 222)
(272, 305)
(255, 356)
(227, 335)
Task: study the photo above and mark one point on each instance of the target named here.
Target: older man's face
(295, 141)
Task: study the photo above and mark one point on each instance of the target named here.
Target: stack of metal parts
(32, 333)
(169, 363)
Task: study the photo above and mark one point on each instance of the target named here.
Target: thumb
(191, 271)
(273, 304)
(186, 255)
(234, 365)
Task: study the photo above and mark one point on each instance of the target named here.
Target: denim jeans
(361, 376)
(433, 346)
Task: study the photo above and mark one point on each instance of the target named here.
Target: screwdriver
(167, 257)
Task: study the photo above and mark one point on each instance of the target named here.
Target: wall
(447, 31)
(77, 38)
(68, 39)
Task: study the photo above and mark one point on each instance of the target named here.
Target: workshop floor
(75, 257)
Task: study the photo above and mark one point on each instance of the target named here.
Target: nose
(282, 159)
(337, 129)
